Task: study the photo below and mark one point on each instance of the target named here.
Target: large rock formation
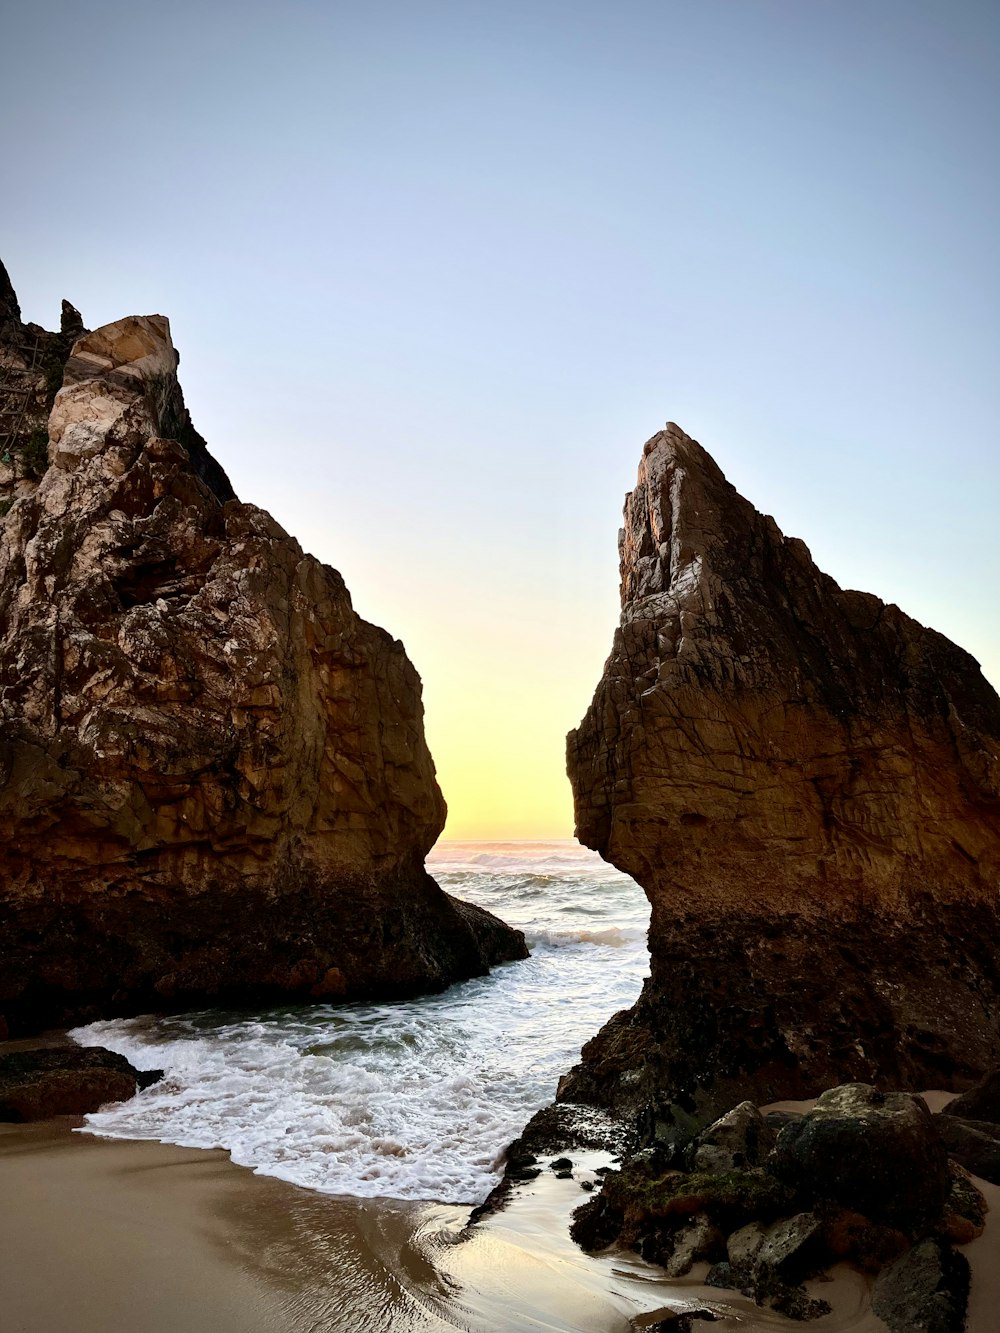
(806, 783)
(214, 783)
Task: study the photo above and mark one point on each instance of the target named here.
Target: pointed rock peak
(128, 365)
(676, 521)
(71, 321)
(10, 311)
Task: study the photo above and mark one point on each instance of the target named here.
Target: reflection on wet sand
(100, 1235)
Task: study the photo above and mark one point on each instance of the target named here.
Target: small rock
(869, 1245)
(701, 1239)
(739, 1139)
(561, 1164)
(965, 1209)
(669, 1129)
(768, 1262)
(973, 1143)
(524, 1173)
(926, 1290)
(981, 1102)
(586, 1184)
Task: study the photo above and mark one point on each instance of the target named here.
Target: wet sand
(111, 1236)
(99, 1235)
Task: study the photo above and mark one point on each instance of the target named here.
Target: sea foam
(415, 1099)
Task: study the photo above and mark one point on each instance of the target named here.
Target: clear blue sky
(436, 270)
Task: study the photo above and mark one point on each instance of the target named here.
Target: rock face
(806, 783)
(65, 1080)
(214, 783)
(31, 371)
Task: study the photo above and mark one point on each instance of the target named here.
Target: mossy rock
(729, 1198)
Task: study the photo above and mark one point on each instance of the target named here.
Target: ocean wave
(613, 936)
(413, 1099)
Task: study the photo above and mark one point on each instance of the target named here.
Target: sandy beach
(98, 1235)
(114, 1236)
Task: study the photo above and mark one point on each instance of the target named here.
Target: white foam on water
(410, 1100)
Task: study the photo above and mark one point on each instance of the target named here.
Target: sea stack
(806, 783)
(214, 782)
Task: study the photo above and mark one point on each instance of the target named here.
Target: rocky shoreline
(806, 783)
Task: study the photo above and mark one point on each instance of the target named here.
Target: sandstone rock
(31, 371)
(64, 1080)
(926, 1290)
(875, 1153)
(806, 783)
(214, 782)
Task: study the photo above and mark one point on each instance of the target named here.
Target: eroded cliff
(214, 782)
(806, 783)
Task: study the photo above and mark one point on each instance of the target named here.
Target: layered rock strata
(214, 782)
(806, 783)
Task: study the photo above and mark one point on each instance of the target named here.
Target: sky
(437, 268)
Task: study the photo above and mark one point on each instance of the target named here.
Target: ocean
(412, 1100)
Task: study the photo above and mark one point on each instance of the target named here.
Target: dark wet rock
(973, 1143)
(561, 1164)
(925, 1291)
(640, 1199)
(587, 1185)
(981, 1102)
(679, 1321)
(876, 1153)
(739, 1139)
(669, 1129)
(766, 1289)
(65, 1080)
(792, 1249)
(777, 1120)
(866, 1244)
(965, 1208)
(699, 1241)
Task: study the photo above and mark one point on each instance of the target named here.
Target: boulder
(965, 1208)
(927, 1289)
(981, 1102)
(875, 1153)
(214, 782)
(740, 1138)
(65, 1080)
(806, 783)
(973, 1143)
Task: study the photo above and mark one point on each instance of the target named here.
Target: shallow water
(415, 1099)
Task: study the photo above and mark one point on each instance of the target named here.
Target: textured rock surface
(805, 782)
(31, 371)
(872, 1152)
(214, 783)
(64, 1080)
(925, 1291)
